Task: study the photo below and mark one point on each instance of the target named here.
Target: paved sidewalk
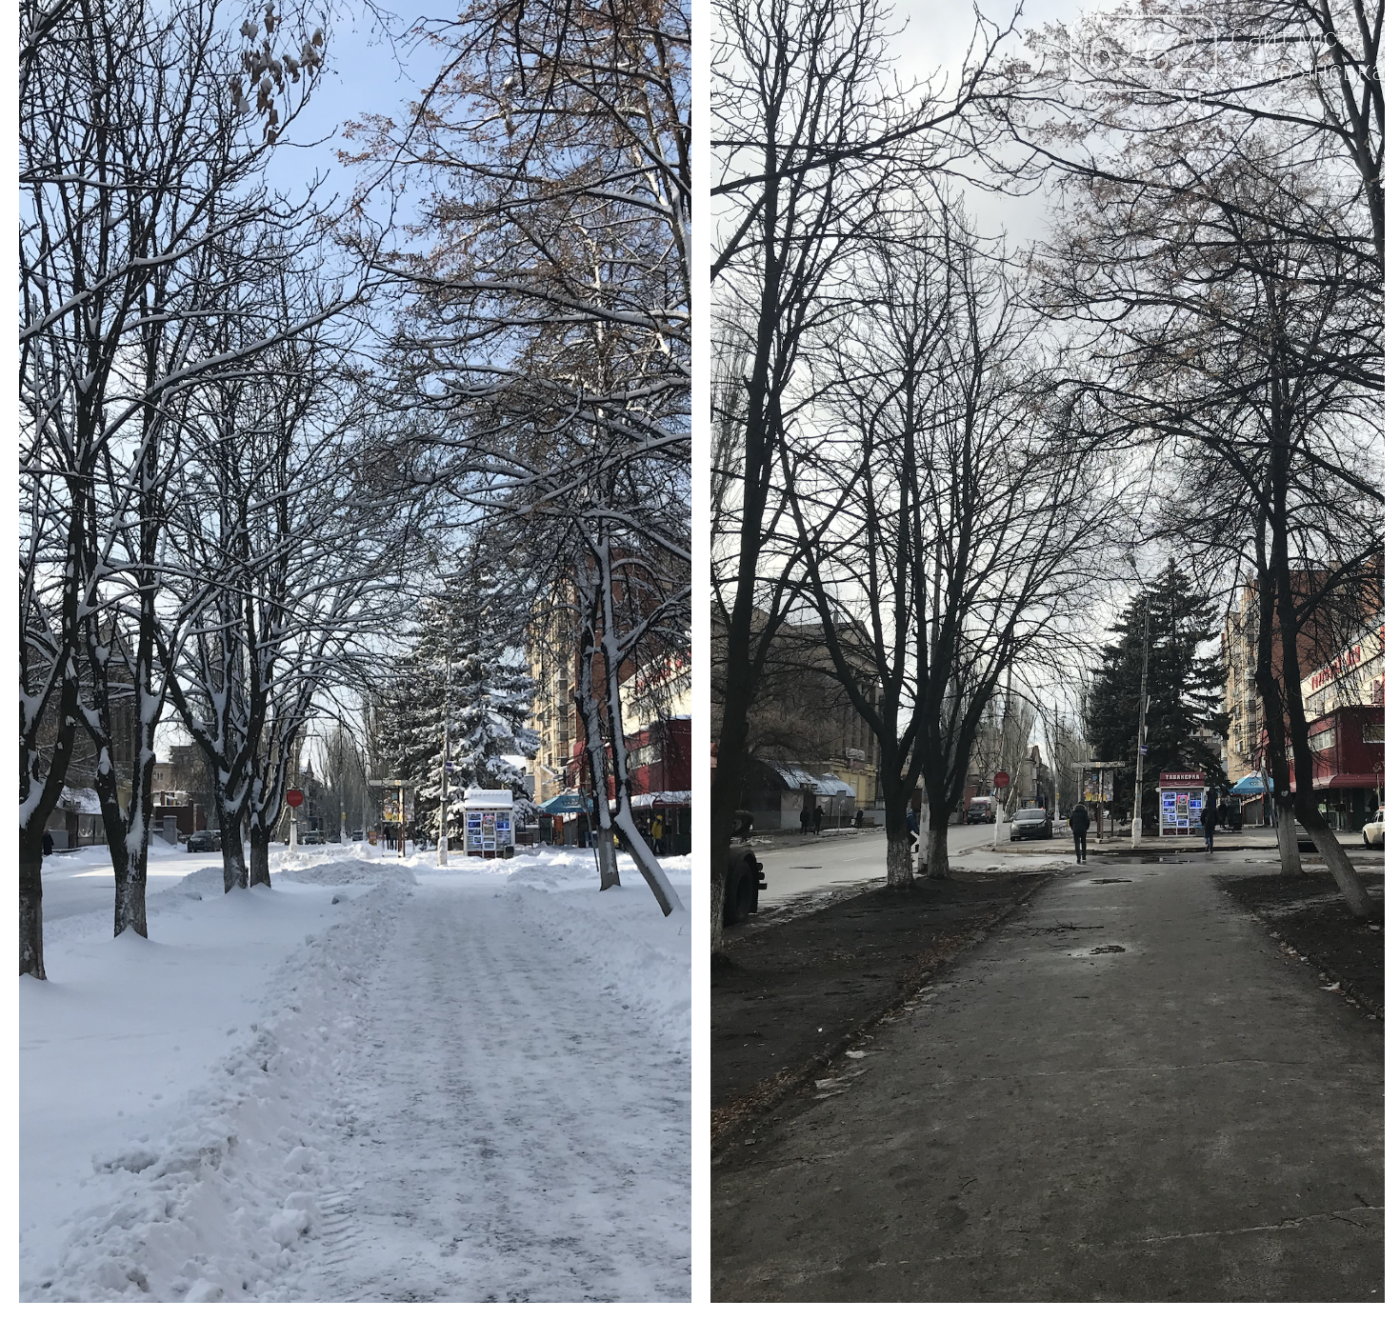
(1125, 1094)
(1253, 839)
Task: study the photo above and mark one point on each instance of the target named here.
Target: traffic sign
(1001, 779)
(295, 797)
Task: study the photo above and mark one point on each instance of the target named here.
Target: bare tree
(542, 355)
(1226, 342)
(292, 572)
(815, 143)
(1301, 73)
(968, 522)
(139, 157)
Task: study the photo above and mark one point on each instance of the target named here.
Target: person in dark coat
(817, 820)
(48, 844)
(1209, 819)
(860, 818)
(1079, 827)
(911, 823)
(805, 819)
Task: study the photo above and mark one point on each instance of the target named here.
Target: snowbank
(174, 1107)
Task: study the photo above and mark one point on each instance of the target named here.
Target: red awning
(1350, 781)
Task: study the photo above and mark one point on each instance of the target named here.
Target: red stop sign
(295, 797)
(1001, 779)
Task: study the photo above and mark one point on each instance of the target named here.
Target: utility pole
(442, 802)
(1001, 760)
(1142, 729)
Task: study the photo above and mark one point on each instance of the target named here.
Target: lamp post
(1142, 732)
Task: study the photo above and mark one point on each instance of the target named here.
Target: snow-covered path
(378, 1081)
(504, 1137)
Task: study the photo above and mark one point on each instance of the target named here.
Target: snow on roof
(833, 786)
(672, 797)
(488, 797)
(794, 776)
(82, 800)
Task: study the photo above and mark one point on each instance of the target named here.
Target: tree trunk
(938, 867)
(31, 904)
(657, 880)
(1340, 866)
(231, 840)
(258, 871)
(130, 911)
(1290, 859)
(725, 794)
(598, 776)
(899, 860)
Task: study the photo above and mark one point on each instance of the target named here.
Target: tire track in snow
(514, 1135)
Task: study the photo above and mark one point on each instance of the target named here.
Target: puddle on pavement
(1162, 859)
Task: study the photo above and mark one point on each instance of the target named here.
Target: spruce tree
(1184, 687)
(467, 665)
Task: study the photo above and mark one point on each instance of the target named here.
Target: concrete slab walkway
(1125, 1094)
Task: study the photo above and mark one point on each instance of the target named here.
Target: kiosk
(1180, 795)
(488, 820)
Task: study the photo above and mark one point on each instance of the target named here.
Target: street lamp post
(1142, 733)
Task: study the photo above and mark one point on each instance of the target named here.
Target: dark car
(313, 837)
(1032, 823)
(358, 836)
(203, 841)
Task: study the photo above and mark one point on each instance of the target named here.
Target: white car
(1373, 831)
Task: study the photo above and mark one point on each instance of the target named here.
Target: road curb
(769, 1094)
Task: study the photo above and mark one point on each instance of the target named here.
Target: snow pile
(222, 1068)
(320, 871)
(647, 976)
(211, 1208)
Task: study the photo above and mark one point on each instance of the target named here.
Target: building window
(1373, 733)
(1320, 742)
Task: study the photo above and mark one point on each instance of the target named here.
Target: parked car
(1032, 823)
(358, 836)
(313, 836)
(1373, 831)
(203, 841)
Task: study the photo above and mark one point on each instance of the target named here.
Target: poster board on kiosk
(1180, 796)
(488, 820)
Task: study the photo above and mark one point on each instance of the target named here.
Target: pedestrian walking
(860, 818)
(657, 829)
(48, 844)
(805, 819)
(1079, 828)
(911, 823)
(817, 820)
(1209, 819)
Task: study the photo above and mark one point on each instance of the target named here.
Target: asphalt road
(799, 868)
(1128, 1093)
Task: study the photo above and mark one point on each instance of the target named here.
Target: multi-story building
(809, 746)
(656, 710)
(1341, 675)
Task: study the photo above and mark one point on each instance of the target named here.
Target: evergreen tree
(1184, 687)
(466, 666)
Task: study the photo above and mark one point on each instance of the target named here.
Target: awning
(832, 786)
(1349, 781)
(794, 776)
(82, 800)
(563, 805)
(1252, 784)
(672, 797)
